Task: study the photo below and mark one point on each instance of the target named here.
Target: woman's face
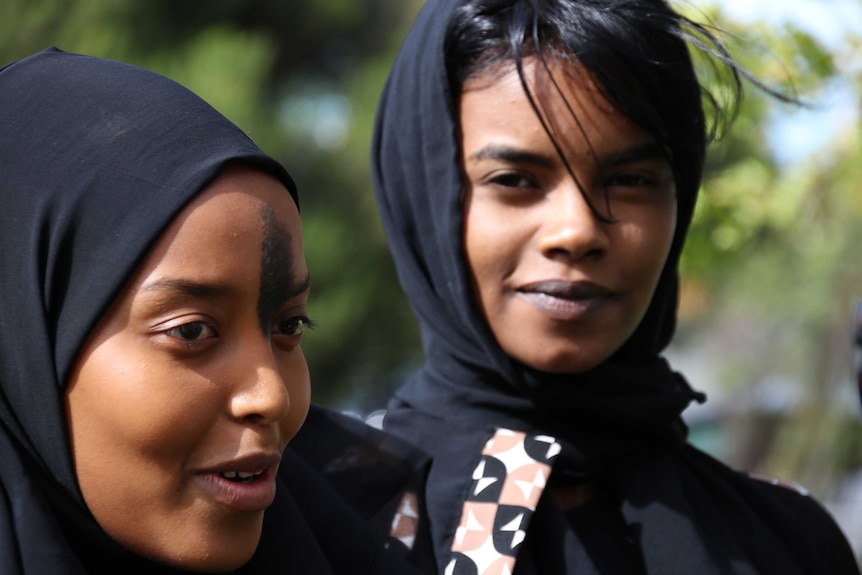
(560, 289)
(187, 392)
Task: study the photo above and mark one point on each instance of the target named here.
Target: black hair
(636, 50)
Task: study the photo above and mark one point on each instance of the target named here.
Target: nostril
(262, 398)
(573, 239)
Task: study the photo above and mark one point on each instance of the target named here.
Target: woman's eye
(513, 180)
(631, 180)
(293, 326)
(192, 331)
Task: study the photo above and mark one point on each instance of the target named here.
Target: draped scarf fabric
(96, 158)
(619, 424)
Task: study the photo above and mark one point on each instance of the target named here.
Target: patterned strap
(507, 484)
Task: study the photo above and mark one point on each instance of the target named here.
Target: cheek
(649, 242)
(132, 417)
(493, 243)
(483, 263)
(664, 231)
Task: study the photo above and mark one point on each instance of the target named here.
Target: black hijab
(619, 424)
(96, 158)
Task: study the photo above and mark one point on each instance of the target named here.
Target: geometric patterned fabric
(507, 484)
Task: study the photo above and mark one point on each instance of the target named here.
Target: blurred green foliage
(773, 264)
(775, 245)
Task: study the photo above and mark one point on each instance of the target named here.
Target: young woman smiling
(536, 165)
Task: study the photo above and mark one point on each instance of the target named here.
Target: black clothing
(617, 426)
(652, 531)
(96, 158)
(377, 474)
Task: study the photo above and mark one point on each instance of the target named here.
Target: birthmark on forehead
(276, 267)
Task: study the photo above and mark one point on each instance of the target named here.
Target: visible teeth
(240, 476)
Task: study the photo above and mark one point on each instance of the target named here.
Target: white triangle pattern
(512, 459)
(553, 447)
(408, 510)
(514, 524)
(483, 484)
(480, 470)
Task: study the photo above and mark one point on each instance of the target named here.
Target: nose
(570, 228)
(262, 395)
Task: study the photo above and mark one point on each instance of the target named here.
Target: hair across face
(634, 49)
(632, 53)
(560, 287)
(635, 56)
(185, 395)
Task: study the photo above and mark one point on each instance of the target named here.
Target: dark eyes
(199, 331)
(293, 326)
(523, 181)
(631, 180)
(193, 331)
(513, 180)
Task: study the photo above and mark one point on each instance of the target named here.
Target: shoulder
(785, 485)
(792, 497)
(788, 510)
(801, 508)
(770, 494)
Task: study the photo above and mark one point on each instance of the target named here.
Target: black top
(96, 158)
(639, 522)
(617, 426)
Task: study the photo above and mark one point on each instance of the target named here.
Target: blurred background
(772, 269)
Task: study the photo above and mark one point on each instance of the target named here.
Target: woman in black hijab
(152, 304)
(536, 166)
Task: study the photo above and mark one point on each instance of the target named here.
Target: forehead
(221, 233)
(544, 78)
(567, 98)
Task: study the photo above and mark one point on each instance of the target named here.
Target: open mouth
(241, 476)
(252, 489)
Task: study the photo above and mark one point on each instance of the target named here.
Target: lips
(566, 301)
(243, 484)
(241, 476)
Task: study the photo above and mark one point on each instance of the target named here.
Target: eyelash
(517, 180)
(304, 323)
(631, 180)
(175, 332)
(199, 328)
(521, 181)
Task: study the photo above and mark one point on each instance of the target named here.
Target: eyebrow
(299, 288)
(214, 290)
(188, 287)
(512, 155)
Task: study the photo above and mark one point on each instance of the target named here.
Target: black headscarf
(96, 158)
(619, 424)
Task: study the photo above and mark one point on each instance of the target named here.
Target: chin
(217, 561)
(567, 367)
(211, 552)
(565, 362)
